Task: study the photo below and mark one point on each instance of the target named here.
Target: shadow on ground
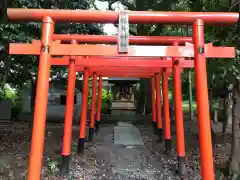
(101, 159)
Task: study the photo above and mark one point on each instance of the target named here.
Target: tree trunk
(141, 99)
(210, 103)
(190, 94)
(5, 59)
(147, 91)
(33, 97)
(234, 165)
(225, 119)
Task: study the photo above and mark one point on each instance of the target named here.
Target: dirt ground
(101, 159)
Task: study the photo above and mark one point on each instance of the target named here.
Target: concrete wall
(5, 110)
(55, 110)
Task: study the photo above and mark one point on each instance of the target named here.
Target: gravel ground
(101, 159)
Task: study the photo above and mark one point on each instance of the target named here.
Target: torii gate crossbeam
(112, 51)
(122, 62)
(135, 17)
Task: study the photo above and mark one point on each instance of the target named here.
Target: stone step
(108, 118)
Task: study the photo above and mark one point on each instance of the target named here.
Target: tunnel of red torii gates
(145, 57)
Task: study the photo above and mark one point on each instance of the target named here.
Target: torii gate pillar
(83, 117)
(99, 103)
(39, 121)
(204, 127)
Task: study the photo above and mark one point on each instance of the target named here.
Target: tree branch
(94, 5)
(130, 31)
(164, 5)
(234, 5)
(123, 2)
(47, 4)
(110, 3)
(129, 5)
(157, 30)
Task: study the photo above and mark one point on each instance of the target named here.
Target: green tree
(224, 72)
(16, 70)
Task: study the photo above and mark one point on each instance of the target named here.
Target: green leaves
(22, 68)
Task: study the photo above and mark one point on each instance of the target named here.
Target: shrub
(106, 101)
(7, 93)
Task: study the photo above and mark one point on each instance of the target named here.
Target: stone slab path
(128, 135)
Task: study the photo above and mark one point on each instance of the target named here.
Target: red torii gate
(127, 71)
(198, 51)
(90, 61)
(147, 72)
